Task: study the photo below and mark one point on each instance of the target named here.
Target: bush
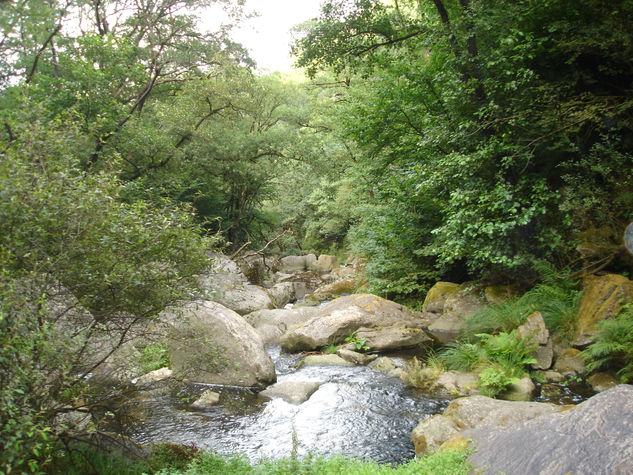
(614, 345)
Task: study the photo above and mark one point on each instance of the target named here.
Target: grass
(557, 299)
(175, 460)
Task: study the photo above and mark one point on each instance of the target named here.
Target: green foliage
(557, 299)
(614, 345)
(154, 357)
(499, 360)
(359, 343)
(330, 349)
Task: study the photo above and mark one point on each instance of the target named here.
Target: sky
(268, 36)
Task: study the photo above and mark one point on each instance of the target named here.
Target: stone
(433, 432)
(457, 383)
(355, 357)
(602, 298)
(544, 355)
(294, 392)
(592, 437)
(602, 381)
(383, 364)
(324, 264)
(393, 338)
(345, 315)
(324, 360)
(244, 299)
(498, 293)
(552, 376)
(456, 304)
(333, 290)
(282, 293)
(206, 400)
(304, 283)
(522, 390)
(272, 324)
(209, 343)
(397, 373)
(471, 412)
(293, 264)
(153, 376)
(570, 363)
(550, 390)
(437, 295)
(534, 328)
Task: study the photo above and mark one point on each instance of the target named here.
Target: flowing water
(356, 412)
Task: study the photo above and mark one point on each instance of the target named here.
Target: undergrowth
(613, 348)
(169, 459)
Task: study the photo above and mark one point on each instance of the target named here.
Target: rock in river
(343, 316)
(211, 344)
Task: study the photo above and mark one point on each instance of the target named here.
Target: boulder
(332, 290)
(549, 391)
(453, 303)
(522, 390)
(355, 357)
(244, 299)
(592, 437)
(471, 412)
(552, 376)
(206, 400)
(294, 392)
(345, 315)
(393, 338)
(272, 324)
(383, 364)
(534, 328)
(602, 298)
(498, 293)
(324, 360)
(602, 381)
(153, 377)
(570, 363)
(222, 272)
(282, 293)
(457, 383)
(212, 344)
(324, 264)
(293, 264)
(437, 295)
(304, 283)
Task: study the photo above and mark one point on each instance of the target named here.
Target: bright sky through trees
(268, 35)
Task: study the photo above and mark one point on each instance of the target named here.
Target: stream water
(356, 412)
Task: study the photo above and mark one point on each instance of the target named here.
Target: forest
(439, 140)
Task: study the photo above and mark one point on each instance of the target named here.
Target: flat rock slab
(595, 437)
(294, 392)
(324, 360)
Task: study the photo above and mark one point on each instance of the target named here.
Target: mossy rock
(437, 296)
(602, 298)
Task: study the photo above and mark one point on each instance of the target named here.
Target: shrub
(614, 345)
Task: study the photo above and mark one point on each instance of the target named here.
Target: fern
(614, 345)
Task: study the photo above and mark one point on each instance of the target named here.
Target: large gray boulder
(594, 437)
(272, 324)
(244, 299)
(474, 411)
(293, 264)
(345, 315)
(212, 344)
(392, 338)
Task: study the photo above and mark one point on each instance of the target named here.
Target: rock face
(447, 305)
(593, 437)
(324, 264)
(345, 315)
(272, 324)
(570, 363)
(602, 298)
(474, 411)
(294, 392)
(212, 344)
(393, 338)
(282, 293)
(333, 290)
